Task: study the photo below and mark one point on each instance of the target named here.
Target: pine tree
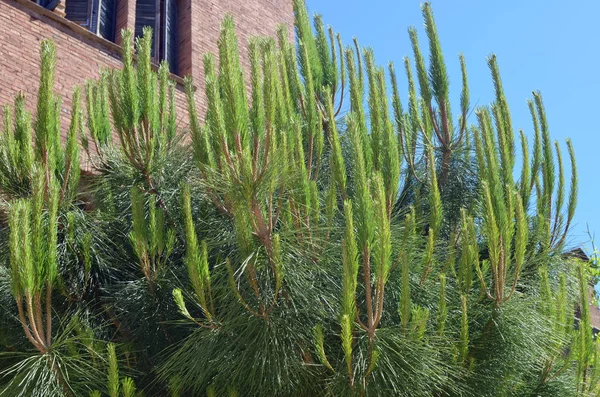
(313, 235)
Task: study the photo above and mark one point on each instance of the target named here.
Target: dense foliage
(314, 235)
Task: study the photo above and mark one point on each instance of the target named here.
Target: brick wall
(80, 54)
(125, 17)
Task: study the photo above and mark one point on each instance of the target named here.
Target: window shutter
(145, 15)
(96, 15)
(170, 32)
(78, 11)
(107, 19)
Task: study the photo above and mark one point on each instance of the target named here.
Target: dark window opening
(98, 16)
(161, 16)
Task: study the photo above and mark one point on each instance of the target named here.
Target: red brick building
(87, 37)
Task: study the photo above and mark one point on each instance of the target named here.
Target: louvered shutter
(78, 11)
(96, 15)
(107, 19)
(170, 34)
(145, 15)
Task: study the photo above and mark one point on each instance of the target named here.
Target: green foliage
(152, 240)
(27, 146)
(285, 248)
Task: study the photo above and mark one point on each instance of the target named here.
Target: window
(161, 16)
(98, 16)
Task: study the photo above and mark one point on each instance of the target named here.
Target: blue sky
(550, 45)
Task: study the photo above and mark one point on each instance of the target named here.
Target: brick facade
(81, 54)
(125, 17)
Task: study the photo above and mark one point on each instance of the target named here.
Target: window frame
(174, 26)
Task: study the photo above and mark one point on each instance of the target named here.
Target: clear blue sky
(550, 45)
